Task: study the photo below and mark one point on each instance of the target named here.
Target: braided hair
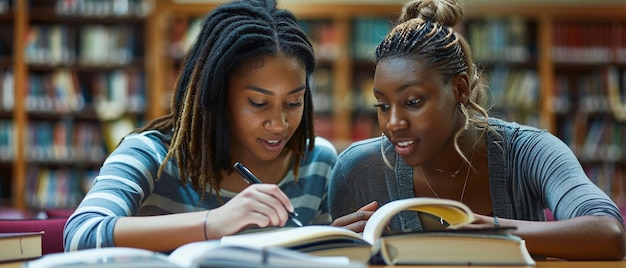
(231, 34)
(424, 33)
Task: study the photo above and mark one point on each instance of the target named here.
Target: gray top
(529, 170)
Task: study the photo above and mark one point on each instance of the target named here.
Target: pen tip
(297, 222)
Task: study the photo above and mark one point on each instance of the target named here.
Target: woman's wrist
(206, 216)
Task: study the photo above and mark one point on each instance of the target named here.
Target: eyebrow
(403, 87)
(267, 92)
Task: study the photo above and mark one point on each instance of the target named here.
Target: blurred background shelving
(73, 79)
(558, 65)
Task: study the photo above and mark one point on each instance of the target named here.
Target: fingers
(259, 205)
(264, 205)
(356, 220)
(372, 206)
(274, 191)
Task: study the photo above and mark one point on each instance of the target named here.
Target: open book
(448, 247)
(193, 255)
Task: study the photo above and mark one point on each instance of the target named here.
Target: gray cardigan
(529, 170)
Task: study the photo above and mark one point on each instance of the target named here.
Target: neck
(449, 160)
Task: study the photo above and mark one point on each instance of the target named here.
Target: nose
(277, 122)
(397, 120)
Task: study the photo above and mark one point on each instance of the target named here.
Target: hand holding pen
(251, 179)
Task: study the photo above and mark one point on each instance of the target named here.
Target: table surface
(540, 264)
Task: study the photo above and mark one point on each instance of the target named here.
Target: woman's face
(265, 106)
(417, 110)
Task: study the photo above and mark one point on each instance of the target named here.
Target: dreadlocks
(231, 34)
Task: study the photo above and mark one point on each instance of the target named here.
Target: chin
(412, 160)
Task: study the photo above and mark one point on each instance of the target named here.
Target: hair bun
(444, 12)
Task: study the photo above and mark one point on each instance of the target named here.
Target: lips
(405, 143)
(405, 147)
(273, 144)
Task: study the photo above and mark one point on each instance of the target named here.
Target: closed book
(20, 246)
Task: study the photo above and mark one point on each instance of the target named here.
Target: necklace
(462, 191)
(452, 174)
(433, 190)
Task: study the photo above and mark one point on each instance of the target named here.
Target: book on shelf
(453, 246)
(20, 246)
(193, 255)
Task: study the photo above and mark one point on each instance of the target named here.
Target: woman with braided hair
(242, 96)
(439, 141)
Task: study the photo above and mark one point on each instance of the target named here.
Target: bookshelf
(342, 81)
(77, 80)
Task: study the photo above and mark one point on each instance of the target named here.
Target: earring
(382, 152)
(466, 114)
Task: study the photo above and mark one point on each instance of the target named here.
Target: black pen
(251, 179)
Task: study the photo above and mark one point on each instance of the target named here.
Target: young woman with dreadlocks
(242, 96)
(439, 142)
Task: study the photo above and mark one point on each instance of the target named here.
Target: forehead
(402, 69)
(275, 75)
(268, 60)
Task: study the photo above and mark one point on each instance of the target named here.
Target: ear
(461, 87)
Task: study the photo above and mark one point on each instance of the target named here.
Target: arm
(341, 200)
(260, 205)
(578, 238)
(317, 166)
(108, 215)
(354, 179)
(545, 173)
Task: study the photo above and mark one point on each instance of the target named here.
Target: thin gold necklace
(433, 190)
(462, 192)
(452, 174)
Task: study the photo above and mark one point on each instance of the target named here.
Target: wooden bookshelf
(44, 34)
(350, 76)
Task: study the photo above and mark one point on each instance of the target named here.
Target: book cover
(20, 246)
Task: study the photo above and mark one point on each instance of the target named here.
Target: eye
(257, 104)
(382, 107)
(295, 104)
(414, 103)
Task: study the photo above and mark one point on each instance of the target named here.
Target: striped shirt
(127, 186)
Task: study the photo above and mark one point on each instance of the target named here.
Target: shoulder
(512, 127)
(147, 141)
(147, 148)
(514, 136)
(361, 151)
(363, 146)
(147, 137)
(514, 132)
(323, 151)
(324, 145)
